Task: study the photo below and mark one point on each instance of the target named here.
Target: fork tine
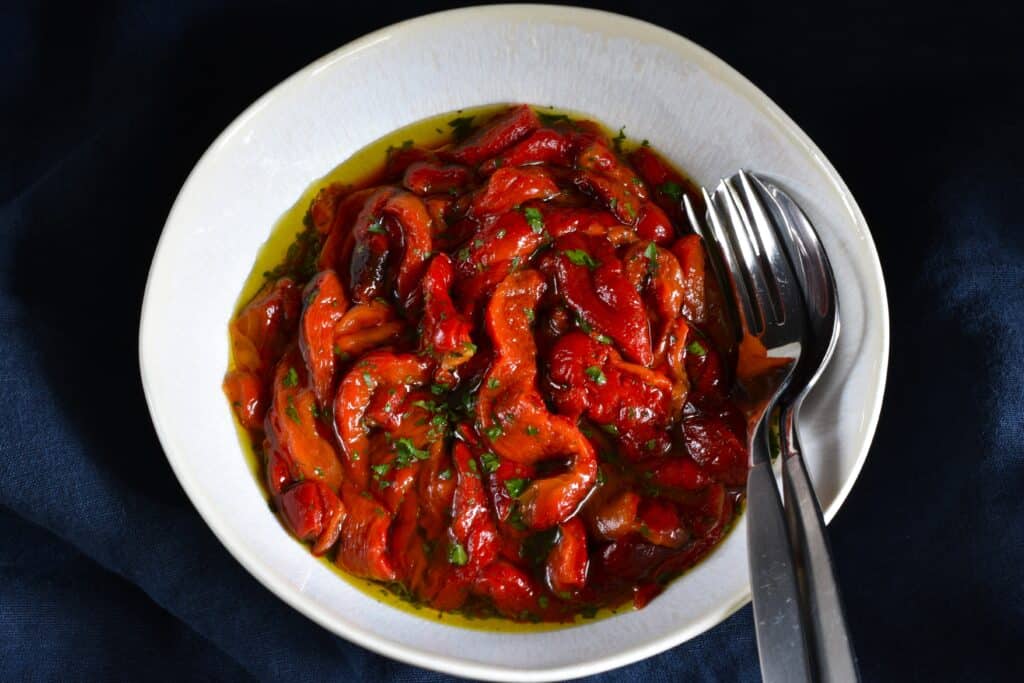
(732, 271)
(775, 271)
(789, 287)
(736, 233)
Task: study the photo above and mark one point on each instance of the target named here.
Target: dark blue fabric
(107, 572)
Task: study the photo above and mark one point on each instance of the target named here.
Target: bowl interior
(689, 104)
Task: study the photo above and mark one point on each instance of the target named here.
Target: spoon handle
(831, 647)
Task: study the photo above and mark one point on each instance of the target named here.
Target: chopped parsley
(532, 431)
(530, 317)
(594, 373)
(651, 252)
(407, 452)
(291, 379)
(461, 127)
(291, 412)
(445, 474)
(516, 486)
(552, 119)
(493, 383)
(671, 190)
(493, 432)
(377, 227)
(490, 462)
(696, 348)
(619, 139)
(535, 219)
(457, 554)
(381, 469)
(611, 429)
(581, 258)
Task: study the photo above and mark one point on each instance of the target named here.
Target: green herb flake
(461, 126)
(611, 429)
(601, 478)
(367, 379)
(651, 444)
(594, 373)
(583, 325)
(381, 469)
(671, 190)
(445, 474)
(581, 258)
(535, 219)
(377, 227)
(532, 431)
(438, 389)
(291, 412)
(604, 339)
(651, 252)
(543, 601)
(530, 316)
(552, 119)
(493, 432)
(619, 139)
(696, 348)
(407, 452)
(516, 486)
(291, 379)
(457, 554)
(490, 462)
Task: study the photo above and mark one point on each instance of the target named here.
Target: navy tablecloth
(107, 572)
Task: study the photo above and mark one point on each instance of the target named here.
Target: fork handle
(832, 648)
(781, 644)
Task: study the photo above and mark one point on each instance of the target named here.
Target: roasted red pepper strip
(502, 132)
(717, 449)
(474, 535)
(293, 428)
(689, 253)
(314, 513)
(410, 214)
(603, 174)
(511, 413)
(261, 332)
(380, 374)
(425, 178)
(368, 266)
(363, 550)
(510, 187)
(543, 146)
(325, 306)
(245, 391)
(568, 562)
(666, 185)
(629, 401)
(593, 282)
(364, 327)
(445, 333)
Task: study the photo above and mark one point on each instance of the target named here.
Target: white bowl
(688, 103)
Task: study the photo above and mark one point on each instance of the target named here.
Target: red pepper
(510, 187)
(593, 282)
(325, 306)
(423, 177)
(544, 146)
(502, 132)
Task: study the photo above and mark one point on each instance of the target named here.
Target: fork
(755, 273)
